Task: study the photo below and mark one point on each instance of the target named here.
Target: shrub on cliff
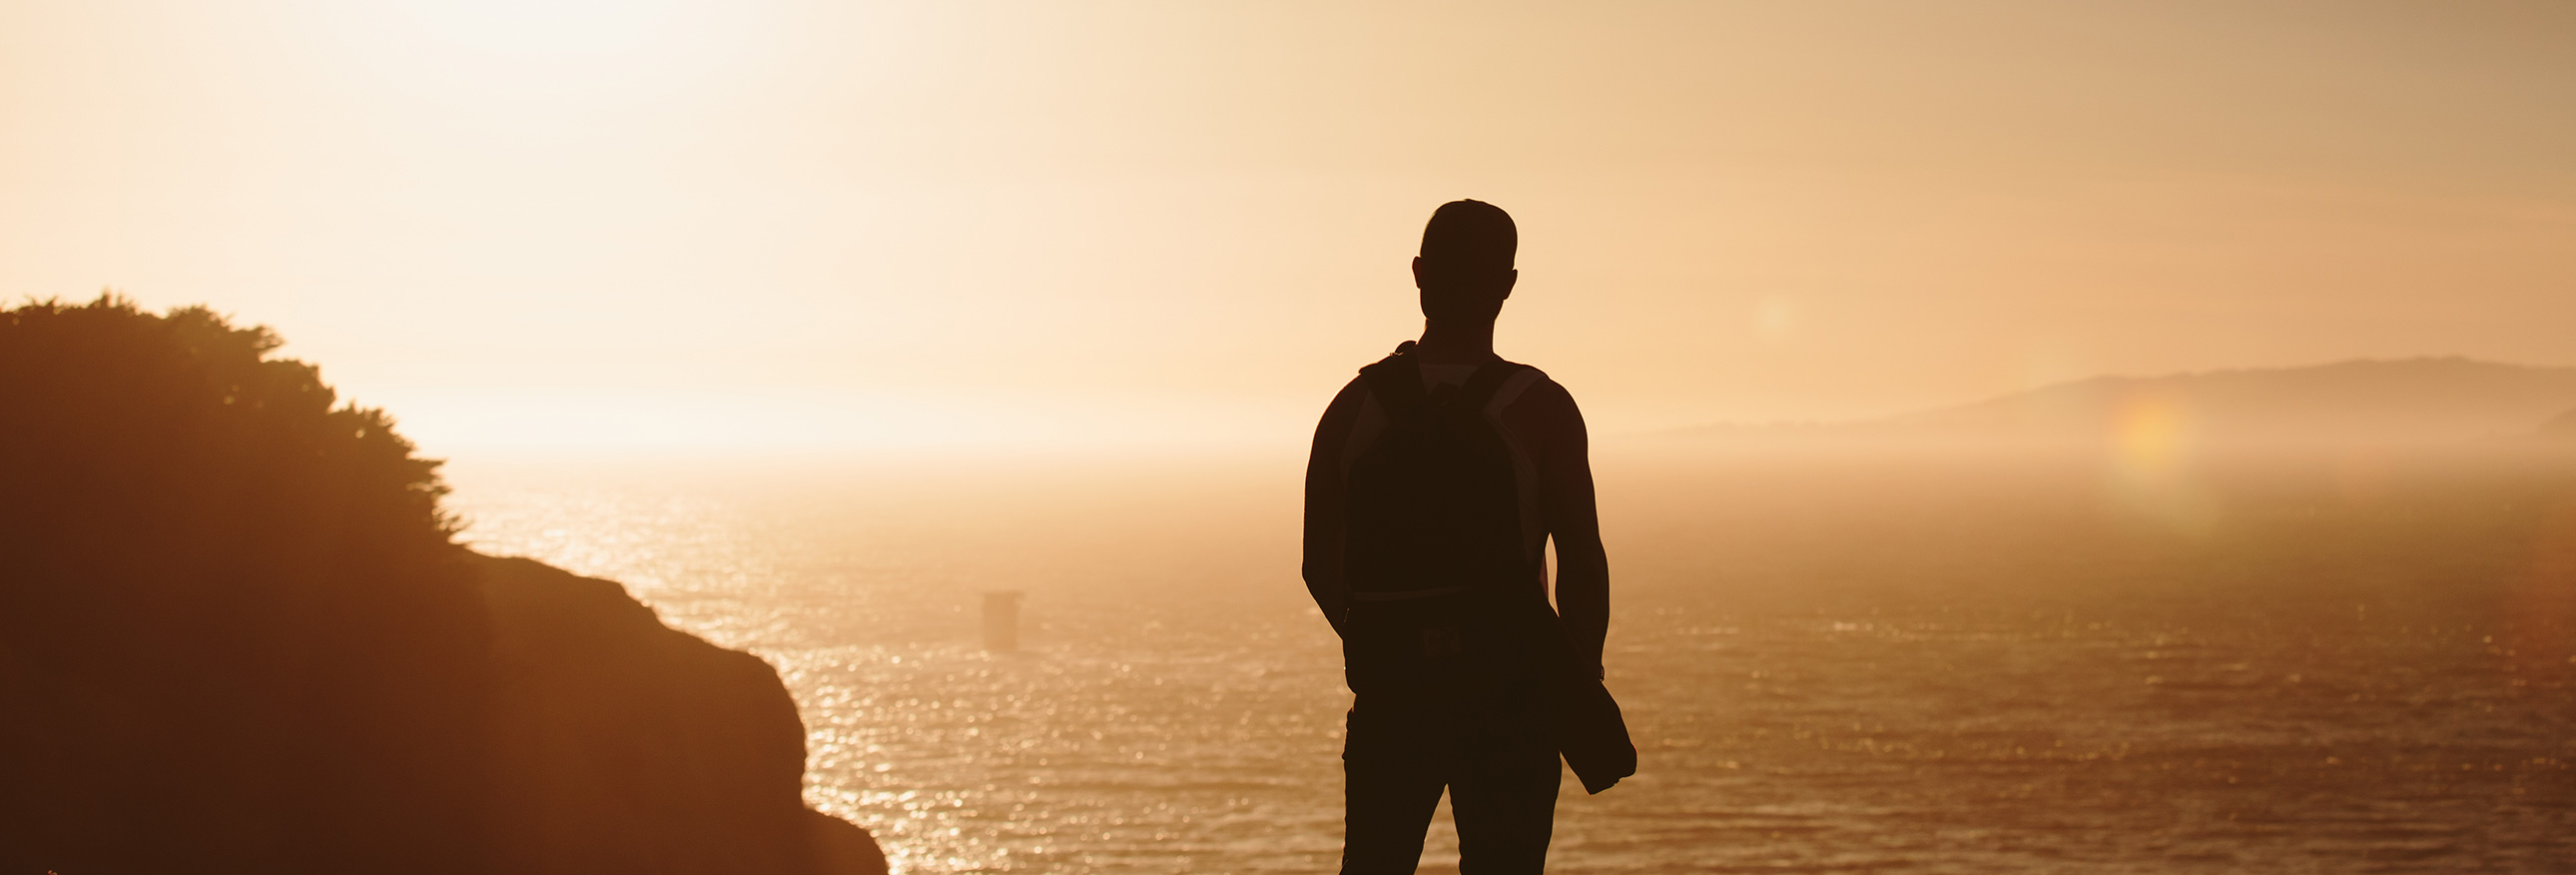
(235, 633)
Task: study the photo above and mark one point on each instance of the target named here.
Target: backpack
(1433, 506)
(1433, 556)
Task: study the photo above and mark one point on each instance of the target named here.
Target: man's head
(1465, 269)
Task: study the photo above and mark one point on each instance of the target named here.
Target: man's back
(1436, 482)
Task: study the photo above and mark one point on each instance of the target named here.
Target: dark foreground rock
(629, 746)
(237, 635)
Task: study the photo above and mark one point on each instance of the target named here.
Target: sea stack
(1002, 620)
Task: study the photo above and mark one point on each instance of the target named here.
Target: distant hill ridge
(2402, 401)
(2561, 428)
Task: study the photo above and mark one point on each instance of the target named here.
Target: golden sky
(758, 223)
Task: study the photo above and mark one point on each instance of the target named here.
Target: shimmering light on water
(1974, 693)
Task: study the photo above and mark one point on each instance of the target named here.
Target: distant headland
(2418, 402)
(237, 635)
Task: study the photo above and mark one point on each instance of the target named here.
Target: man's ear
(1417, 271)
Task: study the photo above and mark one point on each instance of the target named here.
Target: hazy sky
(746, 223)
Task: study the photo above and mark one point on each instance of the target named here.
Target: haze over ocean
(1828, 665)
(812, 322)
(690, 225)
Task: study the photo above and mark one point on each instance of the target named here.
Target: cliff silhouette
(237, 635)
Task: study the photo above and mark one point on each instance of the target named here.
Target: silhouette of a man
(1437, 479)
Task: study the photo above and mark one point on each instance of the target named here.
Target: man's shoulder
(1538, 389)
(1351, 394)
(1344, 409)
(1544, 413)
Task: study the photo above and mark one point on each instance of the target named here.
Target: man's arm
(1573, 520)
(1323, 559)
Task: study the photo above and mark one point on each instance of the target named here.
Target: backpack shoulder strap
(1396, 381)
(1488, 380)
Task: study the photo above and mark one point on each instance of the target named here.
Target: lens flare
(2149, 437)
(2151, 454)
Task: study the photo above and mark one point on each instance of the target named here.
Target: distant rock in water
(236, 635)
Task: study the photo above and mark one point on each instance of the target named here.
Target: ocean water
(1827, 667)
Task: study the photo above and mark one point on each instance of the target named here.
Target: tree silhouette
(235, 631)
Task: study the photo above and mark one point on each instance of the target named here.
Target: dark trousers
(1490, 750)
